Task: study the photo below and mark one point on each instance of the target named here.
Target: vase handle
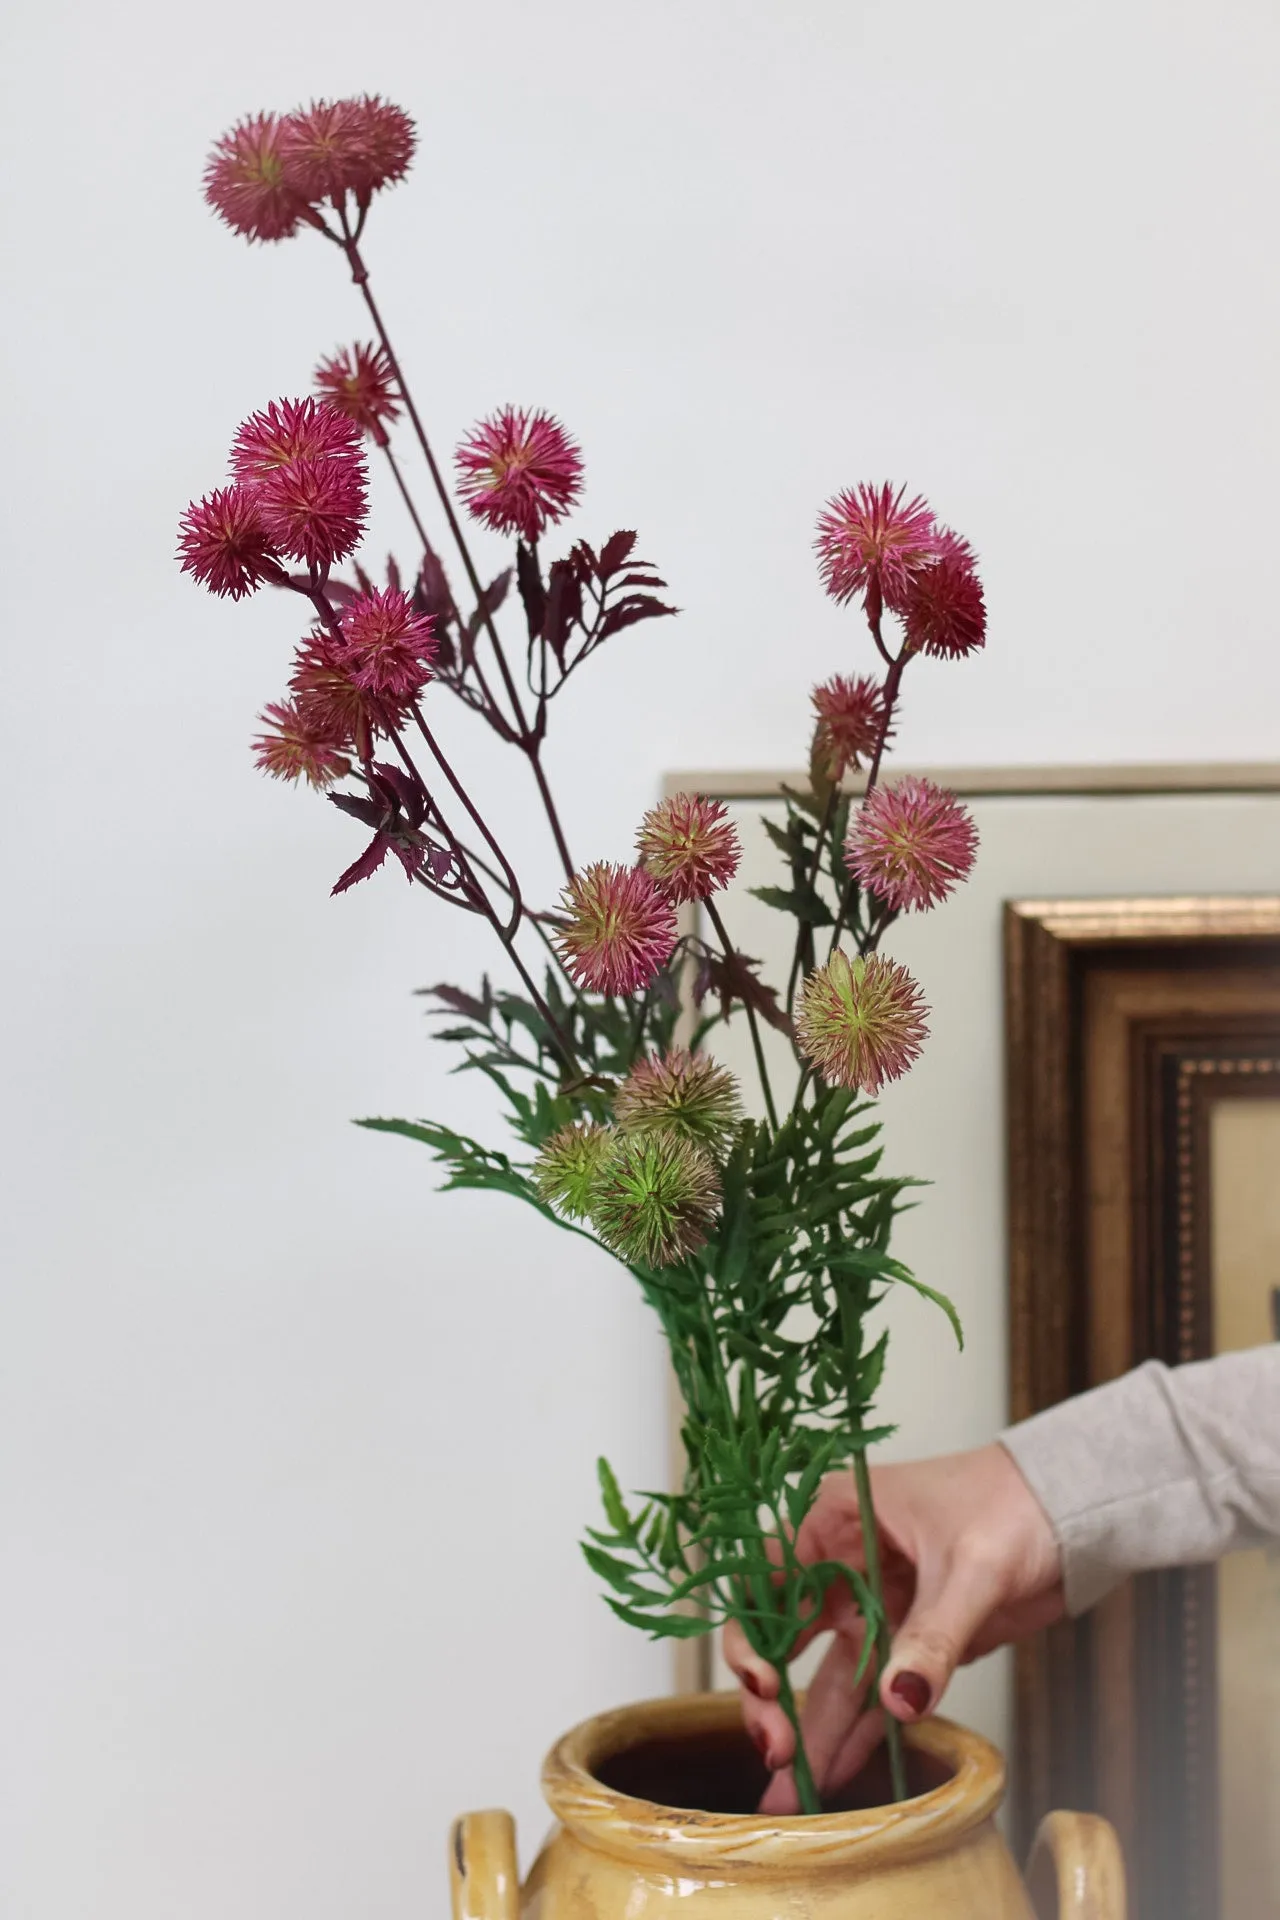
(483, 1874)
(1076, 1871)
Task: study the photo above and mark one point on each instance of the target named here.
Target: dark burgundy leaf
(458, 1001)
(366, 584)
(368, 863)
(494, 595)
(368, 812)
(403, 792)
(628, 611)
(564, 607)
(646, 579)
(614, 553)
(584, 563)
(532, 591)
(732, 977)
(409, 856)
(439, 863)
(393, 573)
(431, 591)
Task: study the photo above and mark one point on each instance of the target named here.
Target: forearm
(1164, 1467)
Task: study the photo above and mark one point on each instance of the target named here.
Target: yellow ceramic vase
(617, 1855)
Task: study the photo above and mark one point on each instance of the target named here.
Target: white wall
(288, 1444)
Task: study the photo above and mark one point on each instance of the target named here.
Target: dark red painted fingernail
(751, 1682)
(913, 1690)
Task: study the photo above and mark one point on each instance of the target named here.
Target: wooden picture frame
(1127, 1021)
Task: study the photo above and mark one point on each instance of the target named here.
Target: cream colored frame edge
(692, 1658)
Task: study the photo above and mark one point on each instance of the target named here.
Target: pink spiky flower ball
(689, 845)
(293, 748)
(874, 538)
(850, 715)
(911, 843)
(224, 544)
(358, 381)
(619, 928)
(519, 472)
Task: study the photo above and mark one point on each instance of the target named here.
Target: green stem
(884, 1637)
(851, 1330)
(757, 1045)
(806, 1791)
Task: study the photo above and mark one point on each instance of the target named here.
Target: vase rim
(635, 1829)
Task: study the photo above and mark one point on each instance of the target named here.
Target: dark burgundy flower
(244, 181)
(224, 543)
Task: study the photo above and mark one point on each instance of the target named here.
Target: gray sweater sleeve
(1164, 1467)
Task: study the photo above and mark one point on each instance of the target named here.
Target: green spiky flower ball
(683, 1093)
(655, 1198)
(565, 1170)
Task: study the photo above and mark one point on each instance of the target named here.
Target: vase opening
(717, 1770)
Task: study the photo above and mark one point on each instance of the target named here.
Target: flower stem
(757, 1045)
(553, 818)
(532, 746)
(850, 1326)
(504, 931)
(437, 754)
(806, 1790)
(806, 926)
(892, 681)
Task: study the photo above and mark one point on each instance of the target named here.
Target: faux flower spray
(761, 1240)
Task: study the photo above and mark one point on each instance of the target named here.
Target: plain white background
(294, 1453)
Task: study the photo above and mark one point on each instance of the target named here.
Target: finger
(770, 1730)
(933, 1638)
(858, 1748)
(834, 1703)
(780, 1795)
(753, 1673)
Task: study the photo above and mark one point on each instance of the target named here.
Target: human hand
(969, 1563)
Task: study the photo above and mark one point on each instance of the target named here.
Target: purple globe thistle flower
(244, 181)
(224, 544)
(294, 748)
(943, 609)
(389, 649)
(850, 715)
(329, 701)
(519, 471)
(290, 430)
(314, 510)
(336, 147)
(359, 383)
(872, 537)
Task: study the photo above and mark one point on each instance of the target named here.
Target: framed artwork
(1048, 834)
(1144, 1222)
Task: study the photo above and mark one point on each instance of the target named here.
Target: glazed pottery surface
(615, 1855)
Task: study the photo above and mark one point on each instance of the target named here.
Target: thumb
(935, 1636)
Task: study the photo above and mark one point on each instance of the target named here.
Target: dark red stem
(528, 741)
(476, 818)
